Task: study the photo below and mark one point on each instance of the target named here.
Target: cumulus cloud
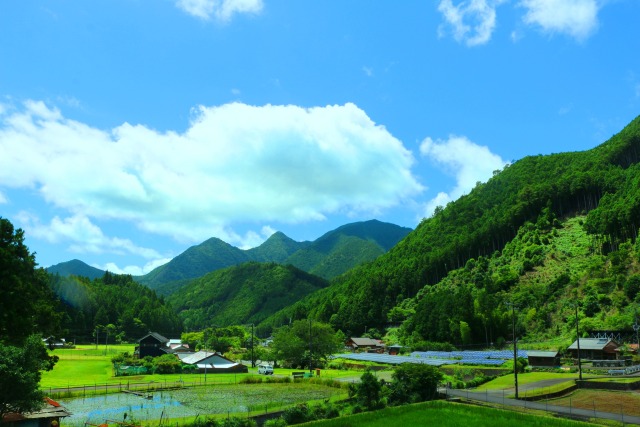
(133, 270)
(577, 18)
(235, 163)
(83, 235)
(472, 22)
(465, 160)
(222, 10)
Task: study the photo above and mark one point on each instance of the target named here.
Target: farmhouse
(48, 416)
(364, 344)
(153, 344)
(594, 349)
(211, 362)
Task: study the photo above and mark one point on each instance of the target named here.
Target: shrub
(297, 414)
(276, 422)
(414, 383)
(249, 379)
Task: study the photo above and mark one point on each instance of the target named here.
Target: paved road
(500, 399)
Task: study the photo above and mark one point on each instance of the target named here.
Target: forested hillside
(243, 294)
(75, 267)
(476, 228)
(115, 303)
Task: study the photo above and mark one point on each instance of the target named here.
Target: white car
(265, 369)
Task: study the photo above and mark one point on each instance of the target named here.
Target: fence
(150, 386)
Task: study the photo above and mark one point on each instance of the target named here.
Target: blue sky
(131, 130)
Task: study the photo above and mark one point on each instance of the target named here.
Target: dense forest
(474, 231)
(113, 304)
(243, 294)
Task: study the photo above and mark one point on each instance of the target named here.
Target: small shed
(543, 358)
(594, 349)
(48, 416)
(394, 350)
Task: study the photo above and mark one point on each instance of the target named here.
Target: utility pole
(636, 327)
(310, 351)
(515, 348)
(578, 341)
(253, 359)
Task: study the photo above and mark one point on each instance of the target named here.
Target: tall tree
(305, 343)
(28, 304)
(20, 372)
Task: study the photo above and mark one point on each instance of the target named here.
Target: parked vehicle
(265, 369)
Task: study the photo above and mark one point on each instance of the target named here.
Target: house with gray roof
(211, 362)
(594, 349)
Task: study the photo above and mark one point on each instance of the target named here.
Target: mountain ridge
(330, 255)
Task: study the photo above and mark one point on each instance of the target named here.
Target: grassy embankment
(446, 414)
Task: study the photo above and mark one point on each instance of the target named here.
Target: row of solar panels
(502, 354)
(396, 360)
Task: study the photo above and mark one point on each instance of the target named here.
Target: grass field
(88, 366)
(445, 414)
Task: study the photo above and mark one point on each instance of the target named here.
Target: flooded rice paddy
(222, 399)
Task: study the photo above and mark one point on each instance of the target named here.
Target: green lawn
(445, 414)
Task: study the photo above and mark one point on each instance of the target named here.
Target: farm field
(446, 414)
(174, 406)
(627, 402)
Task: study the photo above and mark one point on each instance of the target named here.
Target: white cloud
(222, 10)
(472, 22)
(133, 270)
(3, 198)
(577, 18)
(83, 235)
(235, 163)
(368, 71)
(460, 157)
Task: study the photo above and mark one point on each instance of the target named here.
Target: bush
(167, 364)
(413, 383)
(276, 422)
(249, 379)
(368, 393)
(298, 414)
(272, 379)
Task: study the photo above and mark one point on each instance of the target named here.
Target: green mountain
(277, 248)
(330, 255)
(243, 294)
(212, 254)
(77, 268)
(450, 279)
(340, 250)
